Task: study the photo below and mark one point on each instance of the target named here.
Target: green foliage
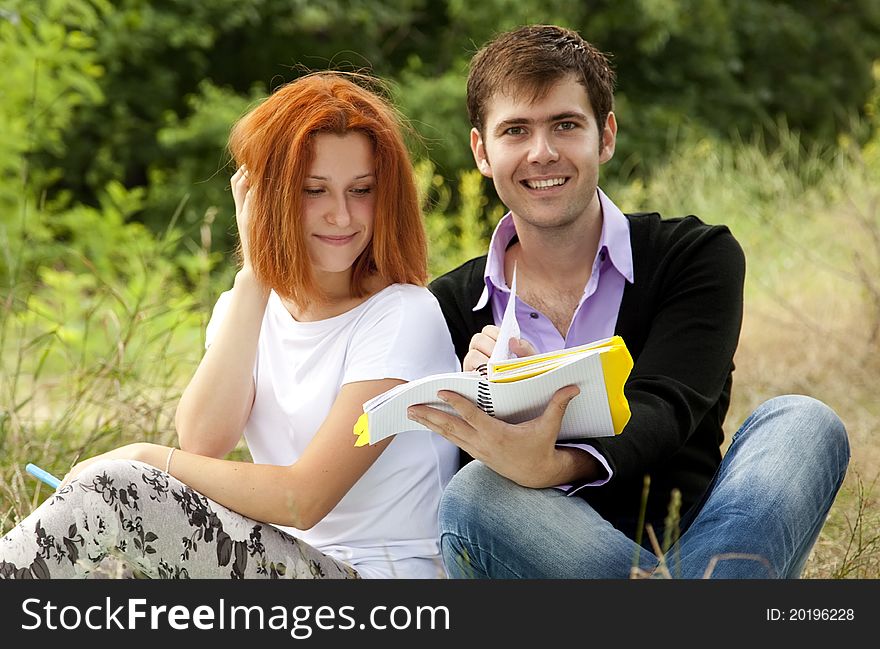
(190, 180)
(90, 362)
(50, 74)
(872, 110)
(436, 109)
(455, 235)
(143, 93)
(156, 55)
(116, 219)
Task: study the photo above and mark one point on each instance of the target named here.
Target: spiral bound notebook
(516, 390)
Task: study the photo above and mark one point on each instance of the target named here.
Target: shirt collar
(614, 239)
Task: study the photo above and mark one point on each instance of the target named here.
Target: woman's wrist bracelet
(168, 461)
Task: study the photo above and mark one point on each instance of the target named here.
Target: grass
(91, 361)
(809, 223)
(67, 394)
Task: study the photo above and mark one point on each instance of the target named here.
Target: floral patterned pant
(128, 519)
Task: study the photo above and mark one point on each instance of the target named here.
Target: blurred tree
(148, 90)
(156, 56)
(50, 75)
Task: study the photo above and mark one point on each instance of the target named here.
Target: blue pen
(45, 476)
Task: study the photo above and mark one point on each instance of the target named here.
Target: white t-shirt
(386, 525)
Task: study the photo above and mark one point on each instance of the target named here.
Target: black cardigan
(680, 320)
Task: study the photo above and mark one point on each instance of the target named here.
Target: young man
(540, 100)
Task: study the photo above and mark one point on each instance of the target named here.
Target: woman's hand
(241, 194)
(215, 406)
(141, 452)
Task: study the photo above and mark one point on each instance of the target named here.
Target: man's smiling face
(544, 156)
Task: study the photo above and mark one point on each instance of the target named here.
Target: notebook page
(509, 327)
(528, 370)
(373, 403)
(389, 416)
(588, 414)
(503, 366)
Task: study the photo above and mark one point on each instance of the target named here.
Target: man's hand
(482, 344)
(525, 453)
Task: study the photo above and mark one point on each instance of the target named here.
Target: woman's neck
(336, 298)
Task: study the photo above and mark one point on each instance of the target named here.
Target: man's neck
(561, 257)
(553, 267)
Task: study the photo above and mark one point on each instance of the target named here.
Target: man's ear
(479, 151)
(609, 139)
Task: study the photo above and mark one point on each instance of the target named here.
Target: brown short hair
(276, 143)
(532, 58)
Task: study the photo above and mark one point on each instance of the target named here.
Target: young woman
(328, 310)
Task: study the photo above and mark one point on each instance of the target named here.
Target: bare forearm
(566, 465)
(299, 495)
(215, 406)
(262, 492)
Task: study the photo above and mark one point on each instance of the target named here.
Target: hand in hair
(241, 194)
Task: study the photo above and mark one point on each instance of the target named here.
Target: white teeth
(544, 184)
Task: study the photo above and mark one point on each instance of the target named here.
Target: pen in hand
(45, 476)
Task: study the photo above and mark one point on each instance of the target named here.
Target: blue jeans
(762, 513)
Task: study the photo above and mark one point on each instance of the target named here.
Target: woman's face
(339, 198)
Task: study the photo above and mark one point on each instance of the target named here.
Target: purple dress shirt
(596, 313)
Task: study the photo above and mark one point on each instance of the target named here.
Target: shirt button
(533, 315)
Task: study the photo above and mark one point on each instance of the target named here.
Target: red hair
(276, 143)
